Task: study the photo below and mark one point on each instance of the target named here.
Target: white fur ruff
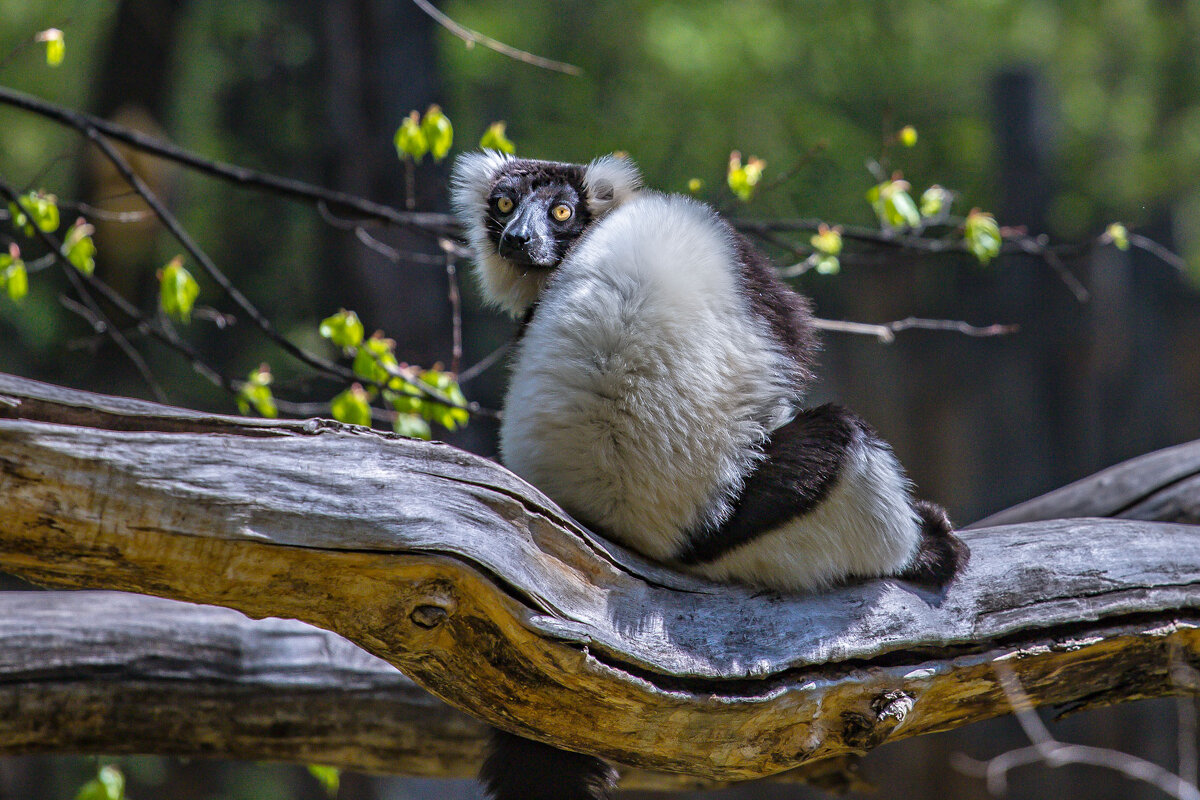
(644, 388)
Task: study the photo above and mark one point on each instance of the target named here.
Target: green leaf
(982, 235)
(494, 139)
(827, 240)
(14, 280)
(412, 426)
(109, 784)
(935, 201)
(438, 132)
(743, 178)
(352, 406)
(828, 265)
(343, 329)
(79, 248)
(177, 290)
(256, 393)
(449, 417)
(375, 360)
(329, 777)
(410, 140)
(894, 205)
(56, 46)
(407, 403)
(1118, 234)
(35, 208)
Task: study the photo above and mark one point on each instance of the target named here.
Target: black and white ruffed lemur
(656, 395)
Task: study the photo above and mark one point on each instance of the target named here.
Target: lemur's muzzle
(527, 238)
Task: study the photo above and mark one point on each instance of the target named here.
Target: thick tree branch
(486, 594)
(107, 672)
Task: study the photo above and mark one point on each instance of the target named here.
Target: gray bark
(482, 591)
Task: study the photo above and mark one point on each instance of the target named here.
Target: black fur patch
(787, 313)
(544, 184)
(804, 459)
(942, 555)
(522, 769)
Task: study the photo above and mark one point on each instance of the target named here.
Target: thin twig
(108, 216)
(886, 331)
(1053, 753)
(95, 316)
(788, 174)
(1035, 247)
(473, 38)
(102, 324)
(387, 251)
(456, 340)
(209, 266)
(359, 228)
(484, 364)
(917, 242)
(1157, 250)
(1187, 677)
(428, 222)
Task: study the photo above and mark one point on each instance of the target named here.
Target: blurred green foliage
(680, 83)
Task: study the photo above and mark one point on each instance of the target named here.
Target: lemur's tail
(942, 555)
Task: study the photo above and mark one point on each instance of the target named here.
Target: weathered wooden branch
(486, 594)
(111, 672)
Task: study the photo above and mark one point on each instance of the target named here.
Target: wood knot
(868, 730)
(428, 616)
(892, 707)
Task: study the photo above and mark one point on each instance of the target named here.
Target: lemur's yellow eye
(562, 212)
(504, 205)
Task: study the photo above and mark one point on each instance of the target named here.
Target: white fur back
(865, 527)
(643, 387)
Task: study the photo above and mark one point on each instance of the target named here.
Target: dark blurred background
(1060, 117)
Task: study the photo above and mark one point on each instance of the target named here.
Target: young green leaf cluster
(398, 386)
(418, 135)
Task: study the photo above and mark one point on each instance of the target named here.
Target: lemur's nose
(515, 238)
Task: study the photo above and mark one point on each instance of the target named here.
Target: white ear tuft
(610, 181)
(471, 179)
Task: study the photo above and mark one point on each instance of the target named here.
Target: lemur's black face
(536, 211)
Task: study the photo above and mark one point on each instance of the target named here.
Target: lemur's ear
(471, 180)
(610, 181)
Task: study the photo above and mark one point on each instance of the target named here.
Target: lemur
(656, 395)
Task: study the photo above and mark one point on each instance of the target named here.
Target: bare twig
(920, 243)
(102, 324)
(484, 364)
(1037, 247)
(209, 266)
(1053, 753)
(1157, 250)
(431, 223)
(473, 38)
(456, 343)
(886, 332)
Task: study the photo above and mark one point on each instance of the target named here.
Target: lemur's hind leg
(829, 501)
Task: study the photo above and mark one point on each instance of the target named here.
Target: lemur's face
(521, 216)
(536, 211)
